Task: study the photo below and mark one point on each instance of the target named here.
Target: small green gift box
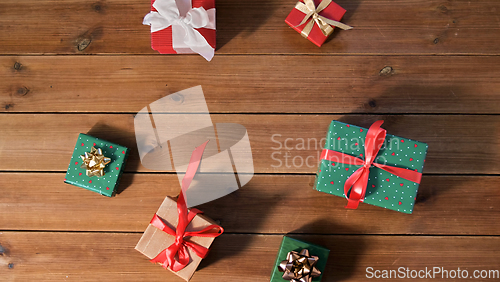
(393, 176)
(96, 165)
(302, 259)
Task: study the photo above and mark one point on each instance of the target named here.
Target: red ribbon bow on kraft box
(168, 245)
(316, 19)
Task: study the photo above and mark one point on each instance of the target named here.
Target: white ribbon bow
(185, 37)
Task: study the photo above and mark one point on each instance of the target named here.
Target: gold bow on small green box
(312, 12)
(299, 267)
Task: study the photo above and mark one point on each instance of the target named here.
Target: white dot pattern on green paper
(394, 145)
(111, 173)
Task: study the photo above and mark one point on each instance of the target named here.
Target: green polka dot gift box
(371, 166)
(96, 165)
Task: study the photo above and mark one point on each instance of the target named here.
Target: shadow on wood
(236, 207)
(350, 7)
(234, 14)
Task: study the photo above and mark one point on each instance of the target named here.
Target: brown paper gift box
(154, 241)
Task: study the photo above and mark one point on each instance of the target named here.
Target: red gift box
(333, 12)
(161, 41)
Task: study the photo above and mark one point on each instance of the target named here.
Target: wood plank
(254, 84)
(111, 257)
(380, 27)
(457, 143)
(448, 205)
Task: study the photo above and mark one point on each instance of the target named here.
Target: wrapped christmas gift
(371, 166)
(182, 27)
(178, 238)
(166, 131)
(96, 165)
(316, 19)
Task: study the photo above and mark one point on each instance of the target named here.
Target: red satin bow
(167, 258)
(358, 181)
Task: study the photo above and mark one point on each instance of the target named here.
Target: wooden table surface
(429, 68)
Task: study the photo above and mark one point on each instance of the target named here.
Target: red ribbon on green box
(355, 186)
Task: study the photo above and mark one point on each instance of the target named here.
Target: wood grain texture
(111, 257)
(429, 68)
(254, 27)
(449, 205)
(280, 143)
(254, 84)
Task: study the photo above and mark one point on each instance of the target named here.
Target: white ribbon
(185, 37)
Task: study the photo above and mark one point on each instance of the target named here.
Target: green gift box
(288, 245)
(106, 184)
(384, 189)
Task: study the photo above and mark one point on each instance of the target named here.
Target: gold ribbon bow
(324, 24)
(94, 162)
(299, 267)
